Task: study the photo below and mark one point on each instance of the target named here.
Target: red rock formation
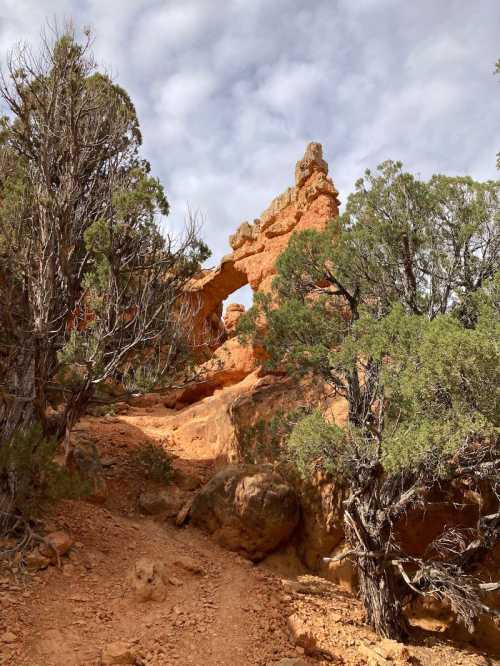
(310, 204)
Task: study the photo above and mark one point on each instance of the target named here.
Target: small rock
(56, 544)
(301, 633)
(189, 564)
(147, 580)
(8, 637)
(118, 653)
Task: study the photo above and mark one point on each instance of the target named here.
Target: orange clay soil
(235, 613)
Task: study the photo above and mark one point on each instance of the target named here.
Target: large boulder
(247, 508)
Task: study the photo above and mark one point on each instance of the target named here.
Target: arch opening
(243, 296)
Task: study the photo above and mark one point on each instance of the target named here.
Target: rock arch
(310, 204)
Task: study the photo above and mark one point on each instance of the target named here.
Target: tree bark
(17, 403)
(74, 409)
(368, 530)
(381, 601)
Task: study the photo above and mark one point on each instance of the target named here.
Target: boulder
(234, 312)
(321, 528)
(247, 508)
(146, 581)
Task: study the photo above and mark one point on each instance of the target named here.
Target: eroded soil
(234, 613)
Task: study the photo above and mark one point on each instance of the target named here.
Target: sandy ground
(234, 613)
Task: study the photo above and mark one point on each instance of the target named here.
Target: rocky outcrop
(310, 204)
(233, 314)
(248, 509)
(206, 427)
(228, 413)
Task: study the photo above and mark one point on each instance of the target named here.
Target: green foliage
(299, 334)
(316, 444)
(395, 305)
(265, 440)
(420, 243)
(155, 462)
(28, 471)
(439, 379)
(93, 283)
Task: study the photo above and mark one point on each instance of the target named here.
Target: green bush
(155, 462)
(28, 474)
(265, 441)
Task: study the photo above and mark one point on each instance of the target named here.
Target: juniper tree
(395, 306)
(88, 283)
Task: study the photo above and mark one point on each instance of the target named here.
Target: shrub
(155, 462)
(29, 475)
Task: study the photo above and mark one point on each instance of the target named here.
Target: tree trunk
(380, 599)
(368, 531)
(74, 409)
(17, 404)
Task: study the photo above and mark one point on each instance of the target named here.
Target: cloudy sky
(229, 92)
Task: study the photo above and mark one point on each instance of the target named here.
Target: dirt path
(234, 613)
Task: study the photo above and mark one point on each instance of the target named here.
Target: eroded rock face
(248, 509)
(256, 245)
(236, 394)
(233, 314)
(206, 427)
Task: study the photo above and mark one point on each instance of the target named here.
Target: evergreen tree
(88, 284)
(395, 306)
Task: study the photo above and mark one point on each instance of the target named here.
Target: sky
(229, 92)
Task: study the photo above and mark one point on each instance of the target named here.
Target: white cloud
(229, 92)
